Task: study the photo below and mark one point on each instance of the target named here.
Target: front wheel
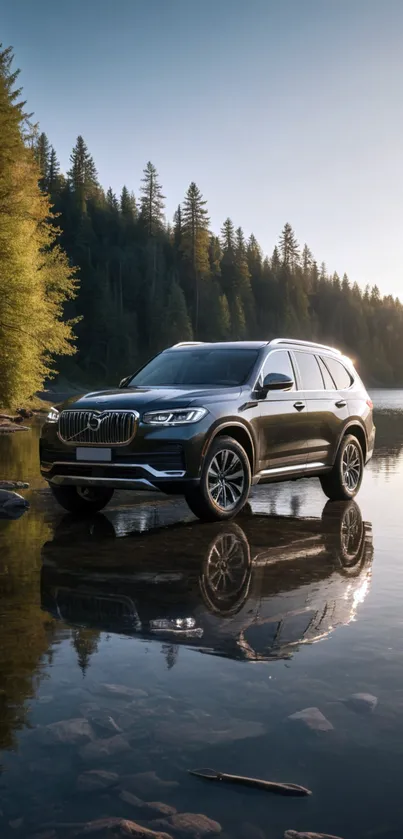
(224, 484)
(82, 500)
(344, 481)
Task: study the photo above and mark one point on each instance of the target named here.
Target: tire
(344, 533)
(83, 501)
(344, 481)
(225, 498)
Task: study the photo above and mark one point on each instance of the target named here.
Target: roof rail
(311, 344)
(187, 344)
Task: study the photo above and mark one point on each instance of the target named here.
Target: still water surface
(193, 644)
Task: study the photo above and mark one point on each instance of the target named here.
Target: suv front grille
(107, 428)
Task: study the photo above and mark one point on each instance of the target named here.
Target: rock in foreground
(95, 780)
(12, 505)
(191, 825)
(295, 834)
(146, 784)
(115, 827)
(74, 732)
(148, 808)
(313, 719)
(363, 703)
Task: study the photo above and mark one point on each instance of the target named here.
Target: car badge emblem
(94, 423)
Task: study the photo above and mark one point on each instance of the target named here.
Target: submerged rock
(70, 732)
(148, 807)
(363, 703)
(116, 827)
(313, 719)
(146, 784)
(96, 779)
(295, 834)
(192, 825)
(100, 749)
(103, 721)
(14, 485)
(119, 691)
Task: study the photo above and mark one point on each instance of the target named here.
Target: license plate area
(94, 455)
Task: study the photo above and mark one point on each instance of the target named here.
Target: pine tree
(307, 259)
(177, 234)
(228, 237)
(128, 206)
(35, 275)
(195, 242)
(53, 180)
(112, 201)
(42, 155)
(152, 202)
(82, 175)
(275, 259)
(289, 248)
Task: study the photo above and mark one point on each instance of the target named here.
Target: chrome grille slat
(116, 428)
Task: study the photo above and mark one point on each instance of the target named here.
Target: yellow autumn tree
(35, 276)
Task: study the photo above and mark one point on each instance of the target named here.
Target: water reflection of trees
(389, 440)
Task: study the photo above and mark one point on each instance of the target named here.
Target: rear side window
(310, 372)
(329, 383)
(341, 376)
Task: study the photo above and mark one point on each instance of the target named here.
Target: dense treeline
(146, 284)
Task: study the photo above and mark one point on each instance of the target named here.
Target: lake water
(174, 645)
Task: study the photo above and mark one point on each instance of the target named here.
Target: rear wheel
(344, 481)
(224, 483)
(82, 500)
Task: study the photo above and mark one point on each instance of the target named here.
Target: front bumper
(132, 476)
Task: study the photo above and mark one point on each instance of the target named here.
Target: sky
(280, 111)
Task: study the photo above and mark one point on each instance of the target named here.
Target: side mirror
(125, 381)
(276, 381)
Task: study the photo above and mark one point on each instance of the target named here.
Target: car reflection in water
(255, 590)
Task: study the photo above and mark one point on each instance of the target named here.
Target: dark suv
(209, 420)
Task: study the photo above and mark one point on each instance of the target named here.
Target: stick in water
(269, 786)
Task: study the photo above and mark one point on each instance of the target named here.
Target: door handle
(299, 406)
(341, 403)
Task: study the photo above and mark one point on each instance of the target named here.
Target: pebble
(313, 719)
(103, 721)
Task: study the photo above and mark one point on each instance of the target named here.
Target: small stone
(12, 505)
(192, 825)
(68, 732)
(363, 703)
(119, 691)
(116, 827)
(313, 719)
(295, 834)
(16, 823)
(147, 783)
(104, 748)
(148, 807)
(96, 779)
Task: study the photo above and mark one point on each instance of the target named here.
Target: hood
(147, 398)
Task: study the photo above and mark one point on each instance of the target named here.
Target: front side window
(197, 367)
(278, 362)
(341, 376)
(310, 371)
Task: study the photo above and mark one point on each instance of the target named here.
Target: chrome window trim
(271, 352)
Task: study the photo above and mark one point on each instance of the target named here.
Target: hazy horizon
(279, 112)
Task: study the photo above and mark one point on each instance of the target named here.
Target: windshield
(197, 366)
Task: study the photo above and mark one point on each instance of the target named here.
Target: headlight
(53, 415)
(178, 416)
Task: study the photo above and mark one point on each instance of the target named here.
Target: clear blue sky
(280, 110)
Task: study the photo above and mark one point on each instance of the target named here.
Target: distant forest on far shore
(145, 284)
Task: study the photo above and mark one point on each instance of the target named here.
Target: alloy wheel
(351, 467)
(226, 479)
